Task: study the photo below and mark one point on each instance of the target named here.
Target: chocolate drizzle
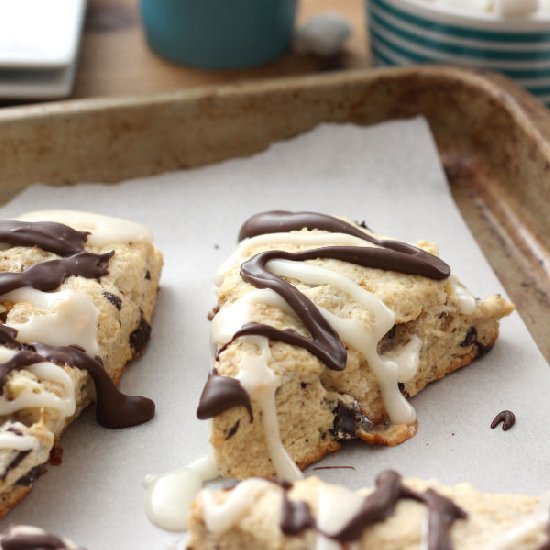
(19, 457)
(50, 236)
(378, 506)
(325, 343)
(113, 409)
(296, 516)
(220, 394)
(140, 336)
(50, 275)
(13, 540)
(442, 512)
(397, 256)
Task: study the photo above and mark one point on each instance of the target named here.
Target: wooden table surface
(116, 61)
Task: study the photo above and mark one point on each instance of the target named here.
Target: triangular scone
(281, 393)
(77, 293)
(406, 515)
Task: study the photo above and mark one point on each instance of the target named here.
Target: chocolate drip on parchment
(113, 408)
(50, 236)
(220, 394)
(508, 419)
(51, 275)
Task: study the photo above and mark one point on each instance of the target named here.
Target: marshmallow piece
(323, 34)
(516, 8)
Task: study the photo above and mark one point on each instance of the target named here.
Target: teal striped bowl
(412, 32)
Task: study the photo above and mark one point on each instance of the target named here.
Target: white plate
(28, 84)
(39, 34)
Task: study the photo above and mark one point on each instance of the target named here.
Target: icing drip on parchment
(169, 496)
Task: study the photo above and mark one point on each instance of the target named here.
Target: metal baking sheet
(389, 175)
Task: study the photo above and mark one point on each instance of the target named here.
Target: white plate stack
(39, 47)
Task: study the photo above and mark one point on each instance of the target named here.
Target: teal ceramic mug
(219, 34)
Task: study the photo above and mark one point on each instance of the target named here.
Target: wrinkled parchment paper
(388, 175)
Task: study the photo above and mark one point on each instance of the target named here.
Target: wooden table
(116, 61)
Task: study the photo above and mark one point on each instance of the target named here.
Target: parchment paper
(389, 176)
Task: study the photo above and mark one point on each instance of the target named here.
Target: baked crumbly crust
(124, 300)
(317, 407)
(492, 521)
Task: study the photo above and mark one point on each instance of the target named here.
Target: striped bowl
(412, 32)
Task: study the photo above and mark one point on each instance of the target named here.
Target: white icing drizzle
(221, 517)
(70, 318)
(34, 395)
(14, 442)
(232, 317)
(261, 382)
(387, 372)
(466, 301)
(103, 229)
(538, 521)
(255, 375)
(169, 496)
(300, 238)
(336, 505)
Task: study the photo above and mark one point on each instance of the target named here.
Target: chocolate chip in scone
(233, 430)
(483, 348)
(148, 275)
(470, 338)
(114, 299)
(348, 420)
(30, 477)
(140, 336)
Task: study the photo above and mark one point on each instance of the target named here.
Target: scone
(322, 330)
(395, 515)
(77, 292)
(24, 537)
